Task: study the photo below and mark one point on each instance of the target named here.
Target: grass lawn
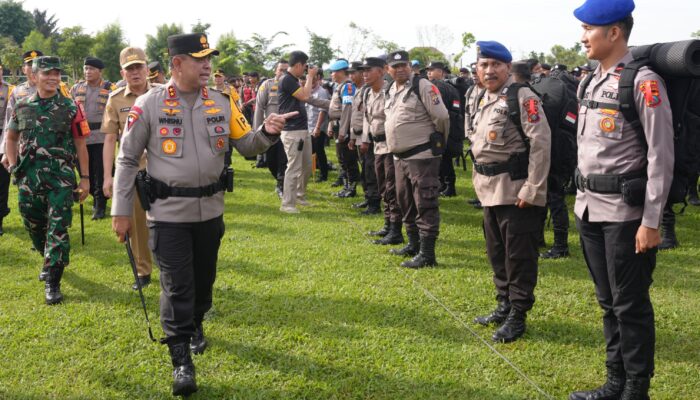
(306, 308)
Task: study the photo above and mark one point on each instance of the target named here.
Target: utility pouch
(634, 191)
(437, 143)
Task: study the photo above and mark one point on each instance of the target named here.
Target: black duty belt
(492, 169)
(412, 152)
(95, 126)
(378, 138)
(595, 104)
(604, 183)
(163, 191)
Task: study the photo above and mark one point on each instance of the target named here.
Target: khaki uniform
(367, 160)
(511, 232)
(608, 226)
(114, 123)
(266, 103)
(471, 110)
(21, 91)
(409, 123)
(5, 92)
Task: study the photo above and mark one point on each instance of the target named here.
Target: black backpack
(677, 64)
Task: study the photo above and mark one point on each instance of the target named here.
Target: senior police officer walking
(186, 129)
(416, 126)
(134, 71)
(5, 92)
(49, 130)
(92, 94)
(619, 228)
(511, 154)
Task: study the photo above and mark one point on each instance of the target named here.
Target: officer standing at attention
(185, 129)
(620, 232)
(340, 113)
(49, 130)
(416, 126)
(5, 92)
(134, 71)
(92, 94)
(511, 155)
(156, 73)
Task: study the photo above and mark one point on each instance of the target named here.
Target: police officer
(619, 233)
(416, 126)
(156, 74)
(135, 73)
(473, 99)
(5, 92)
(511, 154)
(266, 104)
(220, 82)
(374, 69)
(340, 114)
(50, 131)
(183, 124)
(92, 94)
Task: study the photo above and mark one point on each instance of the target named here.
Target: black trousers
(511, 245)
(622, 280)
(417, 191)
(96, 169)
(447, 170)
(186, 254)
(349, 161)
(319, 148)
(386, 183)
(369, 175)
(4, 190)
(277, 162)
(556, 204)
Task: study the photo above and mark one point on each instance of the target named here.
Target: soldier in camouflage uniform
(50, 130)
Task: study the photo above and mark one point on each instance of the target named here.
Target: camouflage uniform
(44, 172)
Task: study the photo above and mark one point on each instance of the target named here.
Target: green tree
(108, 44)
(386, 46)
(230, 49)
(48, 26)
(74, 47)
(37, 41)
(468, 39)
(571, 57)
(537, 56)
(157, 46)
(360, 42)
(200, 27)
(320, 51)
(10, 55)
(427, 54)
(15, 22)
(695, 34)
(259, 54)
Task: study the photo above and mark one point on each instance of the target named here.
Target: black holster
(518, 164)
(634, 191)
(143, 189)
(228, 178)
(437, 143)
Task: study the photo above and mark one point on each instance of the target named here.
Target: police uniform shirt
(21, 91)
(314, 112)
(93, 100)
(375, 118)
(288, 87)
(340, 108)
(5, 91)
(496, 138)
(471, 109)
(409, 123)
(357, 116)
(607, 144)
(186, 144)
(265, 102)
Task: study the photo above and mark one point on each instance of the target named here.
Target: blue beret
(415, 63)
(604, 12)
(492, 49)
(338, 65)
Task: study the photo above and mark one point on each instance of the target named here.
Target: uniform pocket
(522, 233)
(610, 124)
(171, 141)
(218, 138)
(429, 193)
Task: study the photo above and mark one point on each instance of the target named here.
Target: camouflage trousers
(47, 216)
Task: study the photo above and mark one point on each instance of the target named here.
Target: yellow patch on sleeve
(238, 124)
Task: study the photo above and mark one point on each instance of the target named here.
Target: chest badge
(212, 111)
(493, 135)
(171, 103)
(169, 146)
(209, 103)
(164, 131)
(607, 124)
(220, 143)
(171, 111)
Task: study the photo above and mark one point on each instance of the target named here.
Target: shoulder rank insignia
(172, 93)
(171, 103)
(212, 111)
(209, 103)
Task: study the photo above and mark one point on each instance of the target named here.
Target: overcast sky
(521, 28)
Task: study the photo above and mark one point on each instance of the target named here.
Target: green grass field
(306, 308)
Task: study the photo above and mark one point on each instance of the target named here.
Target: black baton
(138, 283)
(82, 225)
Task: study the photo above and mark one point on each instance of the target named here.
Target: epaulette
(117, 90)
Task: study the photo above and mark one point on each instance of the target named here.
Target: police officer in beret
(511, 154)
(92, 94)
(620, 232)
(417, 124)
(186, 129)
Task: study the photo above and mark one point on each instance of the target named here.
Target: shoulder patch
(650, 90)
(532, 108)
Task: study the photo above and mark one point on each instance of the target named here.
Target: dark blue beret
(604, 12)
(492, 49)
(94, 62)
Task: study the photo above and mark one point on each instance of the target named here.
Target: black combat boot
(411, 248)
(363, 204)
(393, 237)
(693, 190)
(3, 214)
(498, 316)
(512, 329)
(44, 273)
(184, 381)
(560, 249)
(426, 256)
(98, 208)
(339, 182)
(198, 343)
(373, 208)
(384, 231)
(2, 231)
(279, 189)
(611, 389)
(351, 191)
(636, 388)
(668, 231)
(450, 190)
(343, 190)
(52, 286)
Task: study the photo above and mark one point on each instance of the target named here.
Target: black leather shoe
(498, 316)
(184, 380)
(450, 191)
(144, 280)
(372, 209)
(611, 389)
(473, 201)
(636, 388)
(198, 343)
(555, 252)
(512, 329)
(44, 274)
(364, 204)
